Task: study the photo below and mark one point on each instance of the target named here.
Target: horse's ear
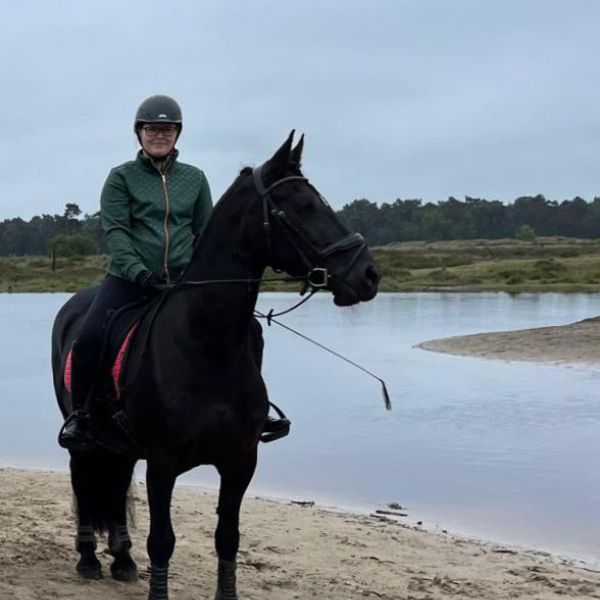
(296, 153)
(278, 164)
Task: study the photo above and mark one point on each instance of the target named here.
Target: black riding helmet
(158, 109)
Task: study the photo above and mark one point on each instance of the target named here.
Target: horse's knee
(160, 548)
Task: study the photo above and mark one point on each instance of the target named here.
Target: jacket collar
(154, 165)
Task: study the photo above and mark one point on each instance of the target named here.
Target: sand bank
(577, 343)
(287, 552)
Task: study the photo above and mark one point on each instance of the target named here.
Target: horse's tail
(101, 483)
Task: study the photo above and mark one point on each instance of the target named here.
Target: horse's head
(303, 234)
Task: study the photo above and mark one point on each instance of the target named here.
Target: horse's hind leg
(234, 482)
(85, 543)
(100, 482)
(123, 567)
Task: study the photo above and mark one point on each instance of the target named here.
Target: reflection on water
(507, 451)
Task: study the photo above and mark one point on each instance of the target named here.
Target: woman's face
(158, 139)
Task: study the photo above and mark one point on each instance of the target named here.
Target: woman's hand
(150, 282)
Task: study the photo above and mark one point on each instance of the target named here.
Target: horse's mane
(293, 169)
(218, 207)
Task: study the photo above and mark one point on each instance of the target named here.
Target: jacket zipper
(166, 226)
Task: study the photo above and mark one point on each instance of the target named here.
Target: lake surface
(502, 451)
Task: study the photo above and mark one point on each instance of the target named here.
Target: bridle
(317, 275)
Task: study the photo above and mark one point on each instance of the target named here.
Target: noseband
(318, 276)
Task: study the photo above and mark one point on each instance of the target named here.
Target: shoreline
(572, 344)
(287, 551)
(427, 520)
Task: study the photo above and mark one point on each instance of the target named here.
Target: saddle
(122, 325)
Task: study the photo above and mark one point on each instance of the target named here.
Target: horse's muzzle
(360, 285)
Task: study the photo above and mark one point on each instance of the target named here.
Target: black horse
(196, 395)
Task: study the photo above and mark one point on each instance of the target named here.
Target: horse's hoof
(128, 573)
(90, 571)
(230, 596)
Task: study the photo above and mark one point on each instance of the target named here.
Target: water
(498, 450)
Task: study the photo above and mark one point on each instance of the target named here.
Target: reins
(305, 278)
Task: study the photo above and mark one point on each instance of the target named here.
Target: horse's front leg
(234, 482)
(160, 480)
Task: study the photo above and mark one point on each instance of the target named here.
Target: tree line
(72, 233)
(68, 234)
(527, 217)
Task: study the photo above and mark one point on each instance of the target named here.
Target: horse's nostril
(372, 274)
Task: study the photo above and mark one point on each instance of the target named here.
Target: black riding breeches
(112, 295)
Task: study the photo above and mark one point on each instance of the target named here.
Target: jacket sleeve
(202, 208)
(115, 215)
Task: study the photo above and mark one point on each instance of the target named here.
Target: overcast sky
(398, 98)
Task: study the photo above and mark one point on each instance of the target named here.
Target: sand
(287, 552)
(577, 343)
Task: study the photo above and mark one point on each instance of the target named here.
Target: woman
(152, 209)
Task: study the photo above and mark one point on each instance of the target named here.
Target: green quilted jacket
(150, 217)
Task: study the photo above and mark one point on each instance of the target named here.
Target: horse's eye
(305, 205)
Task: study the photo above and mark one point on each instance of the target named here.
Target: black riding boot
(76, 433)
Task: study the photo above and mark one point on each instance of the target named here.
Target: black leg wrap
(226, 588)
(86, 538)
(158, 583)
(118, 539)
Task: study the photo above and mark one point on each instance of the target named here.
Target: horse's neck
(224, 252)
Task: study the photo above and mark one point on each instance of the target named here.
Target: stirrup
(283, 426)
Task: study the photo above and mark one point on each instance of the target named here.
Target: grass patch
(35, 274)
(546, 264)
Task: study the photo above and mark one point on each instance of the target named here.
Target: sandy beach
(577, 343)
(287, 552)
